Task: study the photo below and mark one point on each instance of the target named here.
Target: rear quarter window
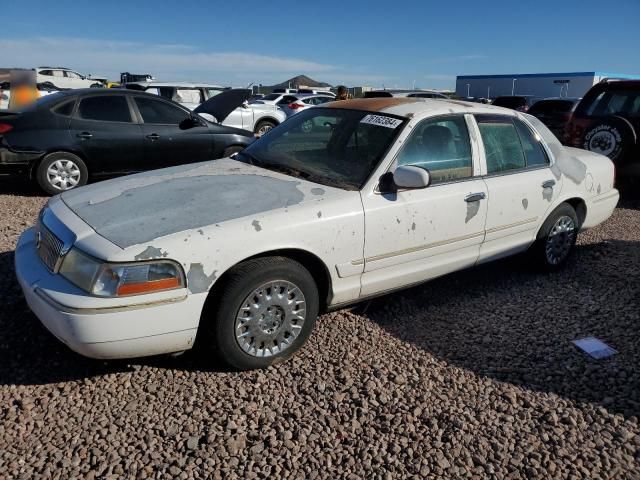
(65, 108)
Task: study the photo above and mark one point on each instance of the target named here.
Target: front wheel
(264, 126)
(556, 238)
(61, 171)
(263, 314)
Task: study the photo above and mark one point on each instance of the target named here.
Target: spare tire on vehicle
(614, 137)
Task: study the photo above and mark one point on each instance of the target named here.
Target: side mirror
(190, 122)
(410, 176)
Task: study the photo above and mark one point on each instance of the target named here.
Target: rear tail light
(295, 106)
(5, 127)
(523, 108)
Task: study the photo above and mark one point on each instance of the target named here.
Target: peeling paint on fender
(197, 280)
(256, 225)
(525, 203)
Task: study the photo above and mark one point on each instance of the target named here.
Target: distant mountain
(301, 80)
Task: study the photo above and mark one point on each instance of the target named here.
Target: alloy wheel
(560, 239)
(270, 318)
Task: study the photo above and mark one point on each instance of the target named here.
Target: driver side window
(440, 145)
(159, 112)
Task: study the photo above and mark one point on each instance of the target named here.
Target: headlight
(120, 279)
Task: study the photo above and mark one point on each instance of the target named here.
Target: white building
(542, 85)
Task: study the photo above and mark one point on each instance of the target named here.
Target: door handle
(548, 184)
(474, 197)
(84, 135)
(153, 136)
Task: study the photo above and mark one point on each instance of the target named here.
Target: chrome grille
(49, 247)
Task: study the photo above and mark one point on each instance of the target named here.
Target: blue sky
(395, 44)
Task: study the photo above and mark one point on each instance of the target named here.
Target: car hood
(224, 103)
(140, 208)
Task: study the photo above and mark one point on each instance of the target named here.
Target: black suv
(607, 121)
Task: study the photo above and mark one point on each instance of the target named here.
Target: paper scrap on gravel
(594, 347)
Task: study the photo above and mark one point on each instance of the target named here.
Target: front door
(165, 142)
(521, 186)
(414, 235)
(106, 136)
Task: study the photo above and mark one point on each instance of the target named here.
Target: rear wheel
(61, 171)
(263, 314)
(556, 239)
(263, 126)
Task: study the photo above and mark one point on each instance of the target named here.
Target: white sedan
(240, 255)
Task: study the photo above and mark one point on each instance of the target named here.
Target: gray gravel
(469, 376)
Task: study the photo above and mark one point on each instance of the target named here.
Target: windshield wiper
(294, 172)
(322, 180)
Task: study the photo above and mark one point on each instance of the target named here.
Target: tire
(263, 126)
(72, 170)
(555, 239)
(613, 137)
(246, 343)
(231, 150)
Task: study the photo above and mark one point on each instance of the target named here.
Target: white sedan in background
(242, 254)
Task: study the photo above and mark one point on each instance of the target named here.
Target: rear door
(106, 134)
(165, 142)
(521, 186)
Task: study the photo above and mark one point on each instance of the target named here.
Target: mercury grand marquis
(340, 203)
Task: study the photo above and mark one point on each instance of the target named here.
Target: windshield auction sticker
(381, 121)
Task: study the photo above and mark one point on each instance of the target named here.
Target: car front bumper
(134, 327)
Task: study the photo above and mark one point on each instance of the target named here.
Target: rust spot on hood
(371, 104)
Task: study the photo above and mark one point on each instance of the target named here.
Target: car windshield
(330, 146)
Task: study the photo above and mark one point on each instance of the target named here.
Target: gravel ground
(470, 376)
